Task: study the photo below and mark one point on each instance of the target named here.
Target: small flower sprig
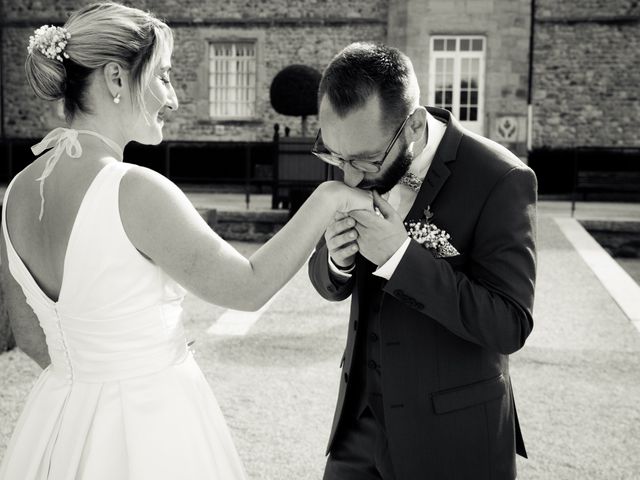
(431, 237)
(51, 41)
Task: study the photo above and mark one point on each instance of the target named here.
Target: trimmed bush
(294, 92)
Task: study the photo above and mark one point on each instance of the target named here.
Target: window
(232, 79)
(456, 78)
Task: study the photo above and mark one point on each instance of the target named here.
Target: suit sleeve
(491, 302)
(326, 284)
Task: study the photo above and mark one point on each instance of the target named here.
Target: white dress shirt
(401, 197)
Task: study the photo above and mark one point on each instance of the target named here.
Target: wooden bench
(604, 181)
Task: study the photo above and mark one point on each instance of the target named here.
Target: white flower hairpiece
(51, 41)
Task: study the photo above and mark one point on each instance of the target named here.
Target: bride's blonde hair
(100, 33)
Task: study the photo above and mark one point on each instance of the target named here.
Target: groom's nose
(352, 176)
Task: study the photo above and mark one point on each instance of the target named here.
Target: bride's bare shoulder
(143, 186)
(24, 184)
(149, 200)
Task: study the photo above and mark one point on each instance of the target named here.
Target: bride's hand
(347, 198)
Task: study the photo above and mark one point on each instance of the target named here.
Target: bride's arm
(162, 224)
(25, 326)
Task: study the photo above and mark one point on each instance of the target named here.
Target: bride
(97, 256)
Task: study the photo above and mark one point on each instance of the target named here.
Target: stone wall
(246, 226)
(307, 32)
(504, 23)
(25, 116)
(208, 10)
(586, 74)
(586, 57)
(586, 9)
(278, 46)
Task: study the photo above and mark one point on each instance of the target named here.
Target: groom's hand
(381, 234)
(341, 238)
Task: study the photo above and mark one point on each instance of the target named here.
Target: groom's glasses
(323, 153)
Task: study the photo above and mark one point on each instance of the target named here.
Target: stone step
(249, 226)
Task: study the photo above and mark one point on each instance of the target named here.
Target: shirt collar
(422, 162)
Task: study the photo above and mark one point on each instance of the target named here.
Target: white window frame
(225, 102)
(457, 55)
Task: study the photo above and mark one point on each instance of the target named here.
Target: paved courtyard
(275, 373)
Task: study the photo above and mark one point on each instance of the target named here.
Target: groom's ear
(417, 123)
(114, 77)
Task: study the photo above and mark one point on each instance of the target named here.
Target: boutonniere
(430, 236)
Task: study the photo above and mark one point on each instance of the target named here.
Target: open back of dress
(123, 397)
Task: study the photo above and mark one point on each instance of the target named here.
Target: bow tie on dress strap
(61, 140)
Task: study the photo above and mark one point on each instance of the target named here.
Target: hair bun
(47, 76)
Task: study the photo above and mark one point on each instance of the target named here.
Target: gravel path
(576, 381)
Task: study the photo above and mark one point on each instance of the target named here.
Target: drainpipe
(530, 92)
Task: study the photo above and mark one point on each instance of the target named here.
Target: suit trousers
(360, 451)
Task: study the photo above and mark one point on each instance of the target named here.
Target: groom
(425, 391)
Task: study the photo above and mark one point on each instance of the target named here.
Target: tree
(294, 92)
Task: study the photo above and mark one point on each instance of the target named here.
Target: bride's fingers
(340, 226)
(363, 201)
(380, 203)
(364, 217)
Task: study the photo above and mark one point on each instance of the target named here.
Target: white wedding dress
(123, 398)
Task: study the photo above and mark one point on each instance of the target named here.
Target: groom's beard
(392, 175)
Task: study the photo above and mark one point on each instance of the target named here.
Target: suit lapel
(439, 170)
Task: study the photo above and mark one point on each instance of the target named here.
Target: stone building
(586, 74)
(577, 87)
(585, 89)
(258, 38)
(471, 57)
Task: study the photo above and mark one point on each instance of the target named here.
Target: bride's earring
(116, 99)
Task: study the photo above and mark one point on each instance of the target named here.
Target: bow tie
(412, 181)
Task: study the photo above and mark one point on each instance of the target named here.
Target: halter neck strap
(65, 140)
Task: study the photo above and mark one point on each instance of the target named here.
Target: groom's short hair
(363, 69)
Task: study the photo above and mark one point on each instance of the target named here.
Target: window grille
(456, 77)
(232, 79)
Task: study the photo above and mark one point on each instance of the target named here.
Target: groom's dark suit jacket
(447, 326)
